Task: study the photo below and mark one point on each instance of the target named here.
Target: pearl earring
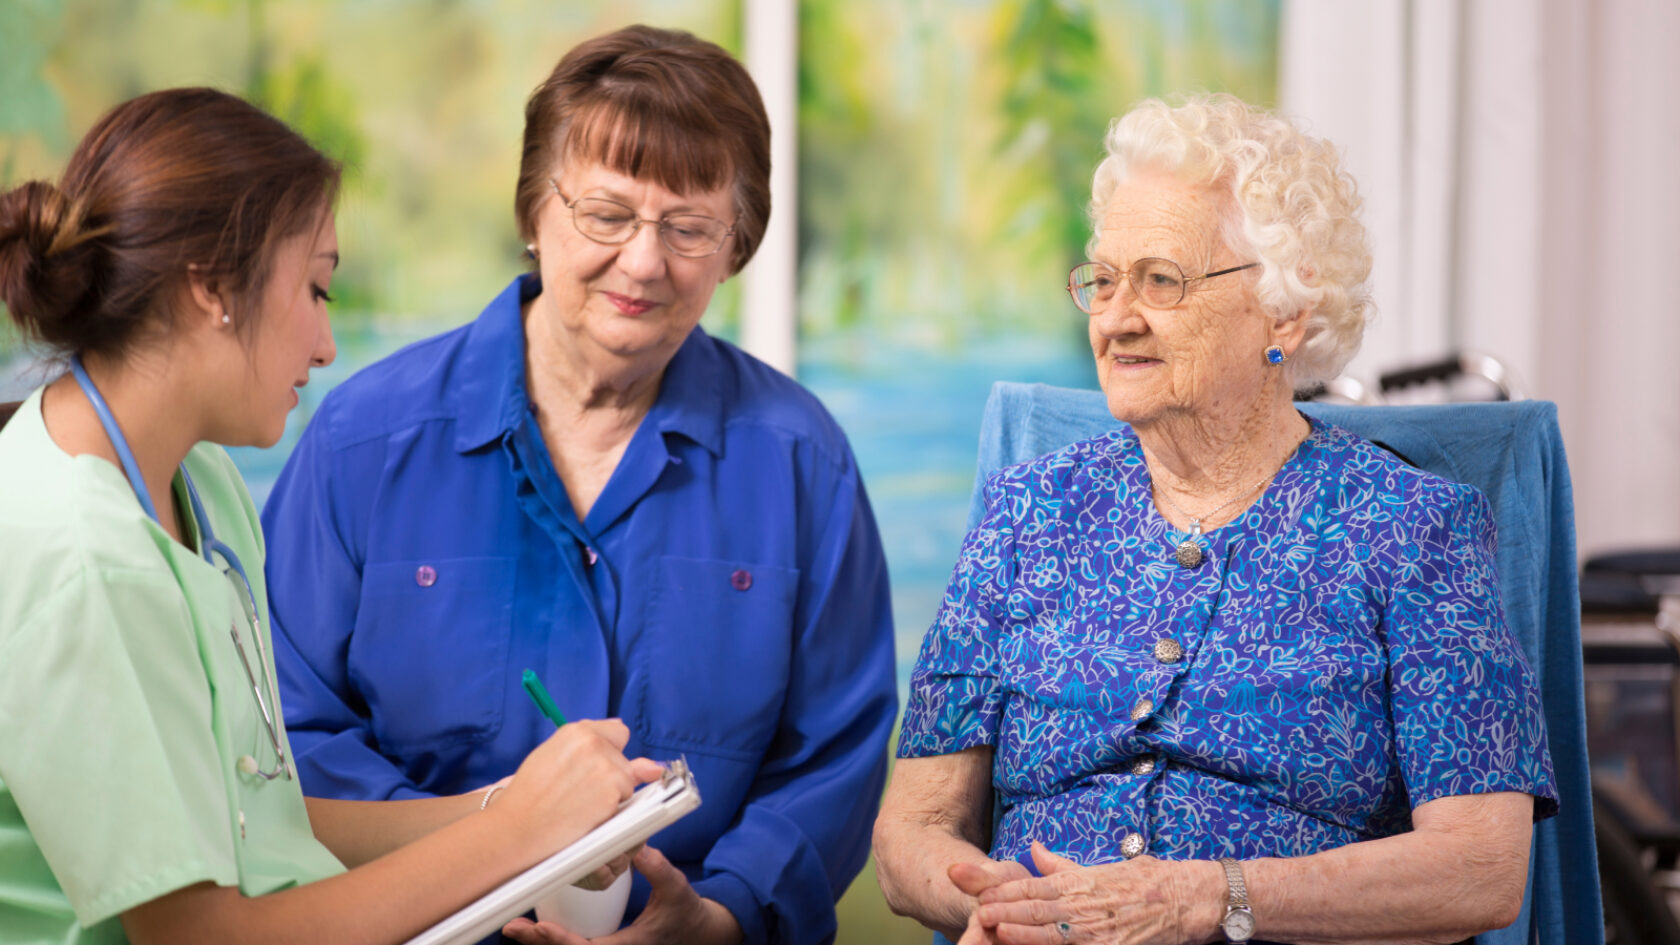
(227, 319)
(1275, 355)
(531, 250)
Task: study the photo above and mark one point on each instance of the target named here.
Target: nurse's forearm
(359, 832)
(389, 900)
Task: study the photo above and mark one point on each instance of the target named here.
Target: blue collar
(489, 398)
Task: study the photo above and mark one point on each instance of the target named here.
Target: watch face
(1239, 925)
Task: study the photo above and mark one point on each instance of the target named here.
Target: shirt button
(590, 555)
(1132, 845)
(1167, 650)
(425, 575)
(1144, 765)
(1142, 708)
(741, 580)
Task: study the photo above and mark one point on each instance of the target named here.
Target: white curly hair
(1291, 207)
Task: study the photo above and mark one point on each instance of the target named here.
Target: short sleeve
(955, 698)
(106, 743)
(1467, 712)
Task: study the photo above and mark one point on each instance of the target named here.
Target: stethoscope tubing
(208, 544)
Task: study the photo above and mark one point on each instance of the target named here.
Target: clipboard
(653, 807)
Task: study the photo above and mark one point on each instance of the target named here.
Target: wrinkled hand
(974, 879)
(674, 913)
(1142, 901)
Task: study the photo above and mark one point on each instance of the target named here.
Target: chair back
(1513, 453)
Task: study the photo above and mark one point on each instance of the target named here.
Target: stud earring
(531, 250)
(1275, 355)
(226, 319)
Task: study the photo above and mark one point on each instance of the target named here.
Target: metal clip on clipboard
(652, 808)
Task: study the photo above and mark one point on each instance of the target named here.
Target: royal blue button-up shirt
(726, 596)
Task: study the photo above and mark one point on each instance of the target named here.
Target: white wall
(1516, 159)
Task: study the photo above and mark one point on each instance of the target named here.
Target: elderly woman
(1227, 673)
(583, 483)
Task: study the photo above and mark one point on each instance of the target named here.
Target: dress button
(1144, 765)
(1132, 845)
(1141, 710)
(1167, 650)
(425, 575)
(741, 580)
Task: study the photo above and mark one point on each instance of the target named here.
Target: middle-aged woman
(1227, 672)
(147, 792)
(583, 483)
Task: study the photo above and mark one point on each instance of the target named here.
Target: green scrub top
(124, 708)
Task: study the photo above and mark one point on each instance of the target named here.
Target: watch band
(1238, 923)
(1238, 895)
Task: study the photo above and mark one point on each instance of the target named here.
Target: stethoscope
(208, 543)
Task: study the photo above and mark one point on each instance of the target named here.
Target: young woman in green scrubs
(146, 791)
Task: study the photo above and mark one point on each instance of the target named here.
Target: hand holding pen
(642, 770)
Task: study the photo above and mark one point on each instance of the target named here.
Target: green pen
(540, 696)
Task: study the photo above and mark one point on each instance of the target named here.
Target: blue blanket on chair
(1513, 452)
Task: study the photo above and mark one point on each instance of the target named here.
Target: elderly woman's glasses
(607, 221)
(1157, 283)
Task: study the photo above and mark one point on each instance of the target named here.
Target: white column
(1345, 72)
(769, 287)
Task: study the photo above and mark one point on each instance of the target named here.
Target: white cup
(590, 913)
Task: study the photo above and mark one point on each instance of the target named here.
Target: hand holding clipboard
(649, 810)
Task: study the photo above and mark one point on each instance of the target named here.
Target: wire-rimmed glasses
(262, 685)
(693, 235)
(1157, 283)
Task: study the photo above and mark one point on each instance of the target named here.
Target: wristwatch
(1239, 918)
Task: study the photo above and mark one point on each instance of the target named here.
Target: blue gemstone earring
(1275, 355)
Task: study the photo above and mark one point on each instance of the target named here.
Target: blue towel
(1513, 452)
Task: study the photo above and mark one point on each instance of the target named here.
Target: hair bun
(45, 258)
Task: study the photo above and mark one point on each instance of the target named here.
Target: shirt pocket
(429, 655)
(715, 651)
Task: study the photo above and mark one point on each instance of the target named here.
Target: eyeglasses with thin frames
(1158, 283)
(691, 235)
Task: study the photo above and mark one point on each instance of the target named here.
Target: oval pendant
(1188, 554)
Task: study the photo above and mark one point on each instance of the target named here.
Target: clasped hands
(1142, 901)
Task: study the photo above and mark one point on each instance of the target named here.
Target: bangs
(685, 152)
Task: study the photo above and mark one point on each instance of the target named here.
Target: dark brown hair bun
(46, 260)
(177, 178)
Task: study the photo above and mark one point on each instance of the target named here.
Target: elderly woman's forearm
(912, 860)
(1460, 873)
(933, 816)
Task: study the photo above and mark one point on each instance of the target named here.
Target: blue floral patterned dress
(1338, 657)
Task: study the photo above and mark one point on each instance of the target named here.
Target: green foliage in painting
(947, 147)
(1052, 111)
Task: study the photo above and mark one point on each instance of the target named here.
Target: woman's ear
(1290, 331)
(207, 302)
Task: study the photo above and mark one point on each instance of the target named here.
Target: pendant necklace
(1188, 554)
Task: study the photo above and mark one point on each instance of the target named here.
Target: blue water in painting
(912, 413)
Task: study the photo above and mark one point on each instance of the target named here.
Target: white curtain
(1516, 158)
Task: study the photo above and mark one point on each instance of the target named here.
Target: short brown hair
(657, 104)
(172, 179)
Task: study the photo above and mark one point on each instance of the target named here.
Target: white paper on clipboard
(650, 810)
